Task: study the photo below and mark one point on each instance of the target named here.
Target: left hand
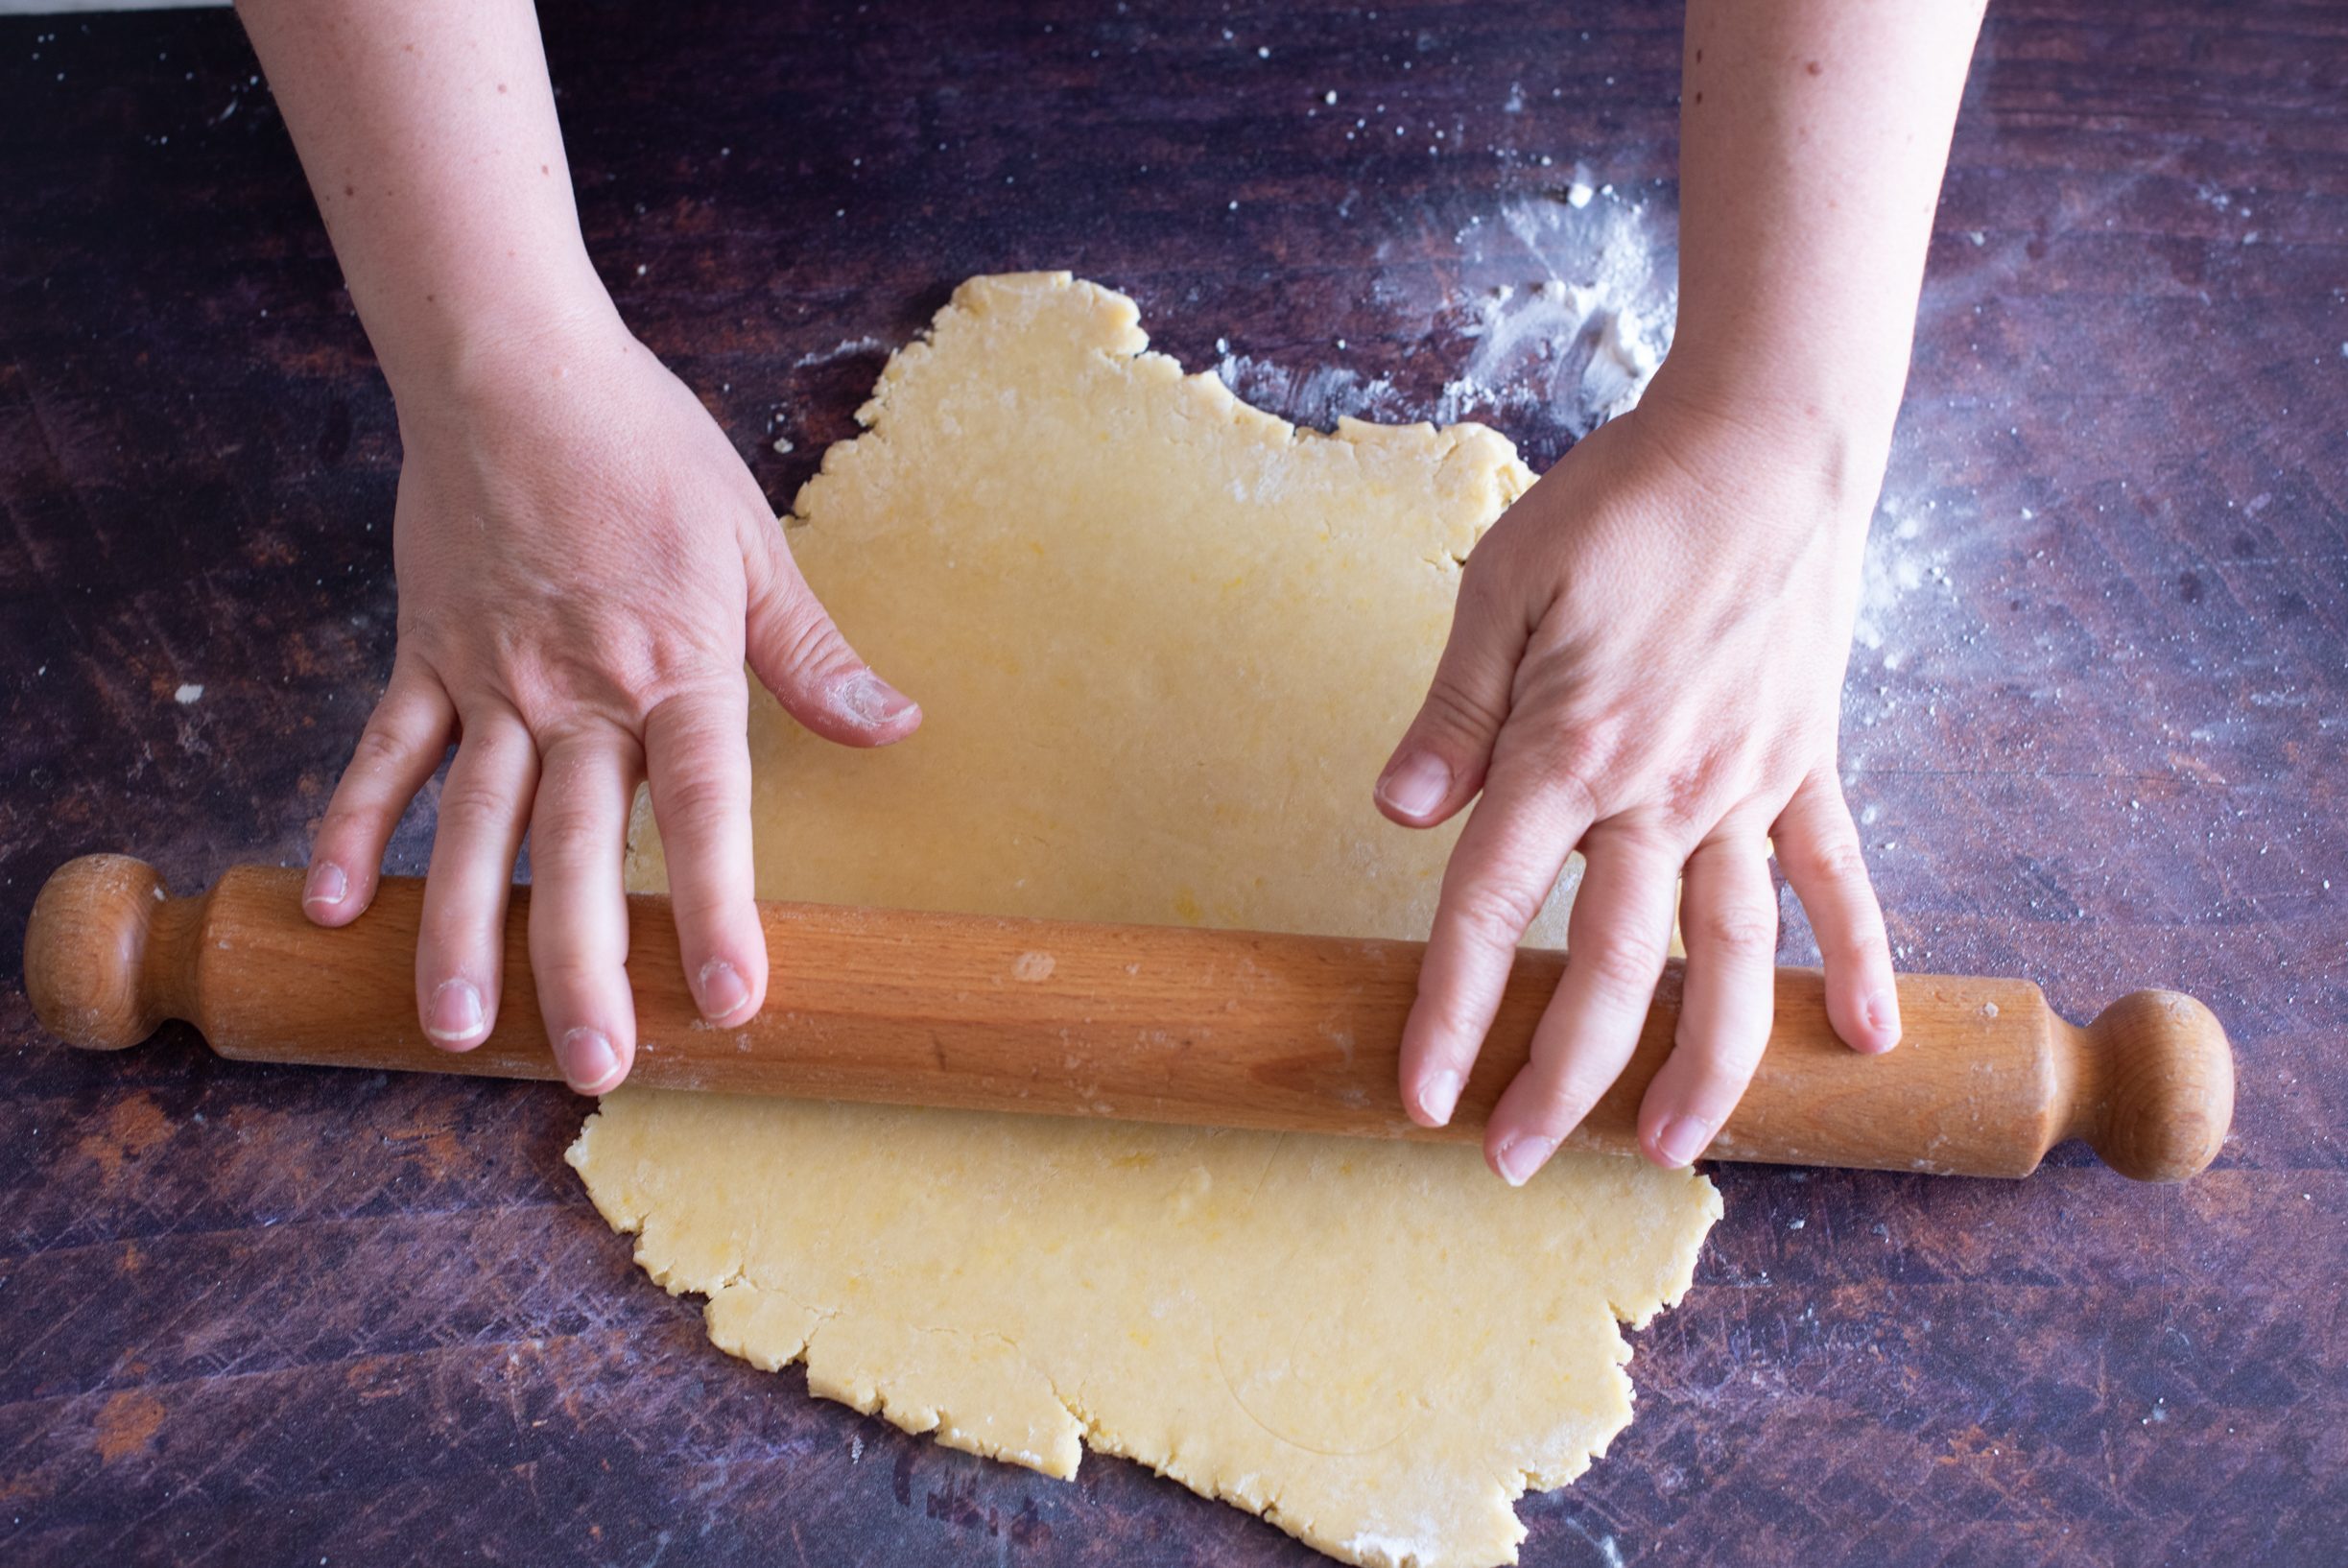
(584, 566)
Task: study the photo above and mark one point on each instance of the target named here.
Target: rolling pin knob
(89, 958)
(2164, 1095)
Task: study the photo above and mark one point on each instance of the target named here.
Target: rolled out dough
(1162, 642)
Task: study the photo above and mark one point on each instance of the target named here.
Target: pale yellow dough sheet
(1163, 643)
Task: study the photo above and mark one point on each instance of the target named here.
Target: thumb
(1440, 763)
(799, 655)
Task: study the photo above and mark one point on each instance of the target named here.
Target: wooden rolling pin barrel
(1211, 1027)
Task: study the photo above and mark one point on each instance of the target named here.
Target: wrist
(1834, 435)
(462, 347)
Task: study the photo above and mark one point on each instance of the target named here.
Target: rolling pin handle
(102, 952)
(2164, 1086)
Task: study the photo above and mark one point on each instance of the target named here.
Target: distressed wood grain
(2096, 728)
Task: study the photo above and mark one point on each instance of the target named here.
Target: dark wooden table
(2097, 726)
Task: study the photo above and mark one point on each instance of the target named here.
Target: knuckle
(1835, 858)
(473, 807)
(1856, 940)
(1688, 804)
(1453, 1029)
(765, 555)
(696, 804)
(711, 911)
(706, 708)
(1738, 930)
(809, 643)
(1452, 710)
(1570, 784)
(1717, 1074)
(675, 671)
(1495, 915)
(1653, 835)
(574, 968)
(351, 819)
(565, 821)
(698, 791)
(1617, 962)
(466, 941)
(1477, 572)
(562, 715)
(1556, 758)
(1566, 1102)
(1488, 576)
(379, 751)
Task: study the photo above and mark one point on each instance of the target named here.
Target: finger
(1501, 871)
(1440, 762)
(1728, 914)
(1615, 945)
(399, 751)
(697, 754)
(461, 935)
(578, 907)
(1818, 845)
(800, 657)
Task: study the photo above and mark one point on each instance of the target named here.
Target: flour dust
(1547, 317)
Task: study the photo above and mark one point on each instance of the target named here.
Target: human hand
(585, 563)
(1646, 664)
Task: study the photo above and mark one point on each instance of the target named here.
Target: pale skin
(1646, 663)
(1647, 658)
(584, 563)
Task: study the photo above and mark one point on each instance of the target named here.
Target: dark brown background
(275, 1317)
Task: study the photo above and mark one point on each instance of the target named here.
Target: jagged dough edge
(980, 296)
(733, 1301)
(734, 1304)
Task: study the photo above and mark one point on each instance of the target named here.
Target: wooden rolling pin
(1155, 1024)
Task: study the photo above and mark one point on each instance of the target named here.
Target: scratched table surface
(2097, 725)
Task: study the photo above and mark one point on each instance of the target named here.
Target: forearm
(1814, 135)
(428, 132)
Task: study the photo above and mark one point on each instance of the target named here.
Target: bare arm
(1647, 658)
(584, 563)
(428, 132)
(1812, 138)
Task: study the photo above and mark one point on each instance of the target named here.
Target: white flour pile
(1547, 320)
(1576, 343)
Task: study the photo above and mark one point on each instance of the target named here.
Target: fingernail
(1682, 1138)
(1417, 784)
(1882, 1010)
(325, 885)
(1522, 1155)
(589, 1063)
(869, 699)
(456, 1011)
(723, 991)
(1440, 1095)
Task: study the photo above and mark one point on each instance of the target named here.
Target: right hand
(585, 564)
(1646, 664)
